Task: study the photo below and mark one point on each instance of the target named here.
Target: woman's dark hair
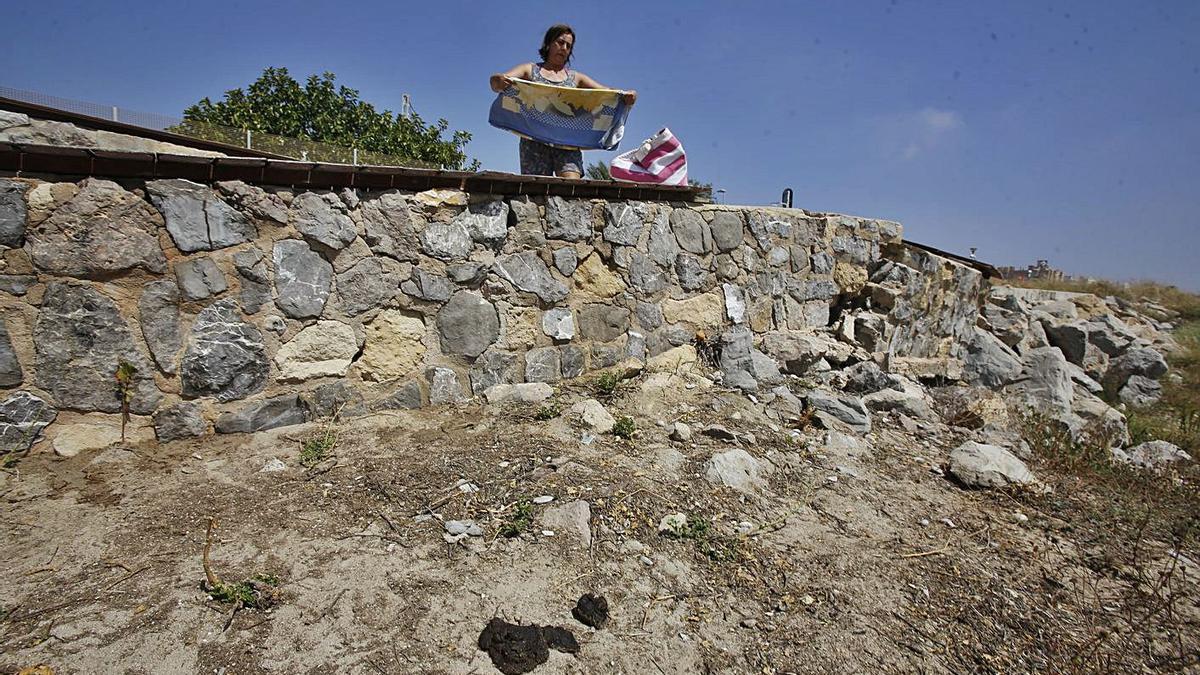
(553, 34)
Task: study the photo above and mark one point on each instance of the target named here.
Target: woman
(539, 159)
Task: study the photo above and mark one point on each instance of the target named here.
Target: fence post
(248, 146)
(115, 114)
(355, 160)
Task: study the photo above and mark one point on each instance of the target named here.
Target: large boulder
(1140, 391)
(1145, 362)
(79, 340)
(847, 410)
(988, 466)
(989, 361)
(196, 218)
(1157, 455)
(739, 470)
(225, 356)
(1044, 383)
(102, 230)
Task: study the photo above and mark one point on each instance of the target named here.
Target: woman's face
(560, 49)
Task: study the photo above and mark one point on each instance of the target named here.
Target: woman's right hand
(500, 82)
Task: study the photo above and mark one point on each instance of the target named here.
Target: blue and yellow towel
(566, 117)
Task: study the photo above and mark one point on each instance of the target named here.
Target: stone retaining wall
(243, 308)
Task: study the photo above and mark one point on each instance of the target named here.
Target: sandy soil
(853, 557)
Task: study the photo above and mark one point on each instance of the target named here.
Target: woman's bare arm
(586, 82)
(501, 81)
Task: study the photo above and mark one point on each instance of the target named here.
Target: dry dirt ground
(851, 558)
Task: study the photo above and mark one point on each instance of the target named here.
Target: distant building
(1039, 270)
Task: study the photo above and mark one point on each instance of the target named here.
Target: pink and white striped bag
(659, 159)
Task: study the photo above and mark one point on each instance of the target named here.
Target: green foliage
(320, 110)
(520, 520)
(258, 592)
(548, 412)
(606, 383)
(707, 540)
(598, 171)
(624, 427)
(316, 449)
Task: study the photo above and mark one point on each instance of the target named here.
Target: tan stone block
(439, 198)
(395, 346)
(593, 277)
(522, 326)
(701, 310)
(72, 439)
(324, 349)
(850, 278)
(680, 360)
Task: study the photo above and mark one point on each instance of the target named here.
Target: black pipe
(787, 198)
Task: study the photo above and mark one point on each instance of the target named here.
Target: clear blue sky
(1067, 130)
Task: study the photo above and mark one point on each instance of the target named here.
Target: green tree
(598, 171)
(320, 110)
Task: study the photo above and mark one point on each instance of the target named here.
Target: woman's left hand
(630, 97)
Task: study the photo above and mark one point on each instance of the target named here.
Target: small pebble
(749, 623)
(543, 499)
(646, 561)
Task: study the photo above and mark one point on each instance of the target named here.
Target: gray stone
(225, 356)
(199, 278)
(635, 345)
(572, 520)
(624, 222)
(9, 120)
(605, 356)
(532, 392)
(23, 416)
(486, 222)
(988, 466)
(158, 312)
(644, 275)
(467, 324)
(101, 231)
(182, 420)
(425, 286)
(815, 289)
(1140, 391)
(909, 401)
(680, 432)
(79, 340)
(469, 274)
(494, 367)
(692, 233)
(593, 415)
(369, 284)
(12, 213)
(736, 361)
(649, 315)
(566, 260)
(572, 360)
(822, 263)
(568, 219)
(727, 230)
(11, 374)
(543, 365)
(867, 377)
(444, 386)
(662, 245)
(525, 223)
(603, 323)
(692, 277)
(848, 410)
(391, 228)
(527, 272)
(1008, 325)
(988, 361)
(764, 369)
(271, 413)
(739, 470)
(254, 278)
(302, 279)
(854, 250)
(17, 284)
(407, 396)
(1145, 362)
(336, 400)
(559, 323)
(1045, 382)
(446, 241)
(196, 218)
(320, 223)
(1110, 335)
(1157, 454)
(254, 200)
